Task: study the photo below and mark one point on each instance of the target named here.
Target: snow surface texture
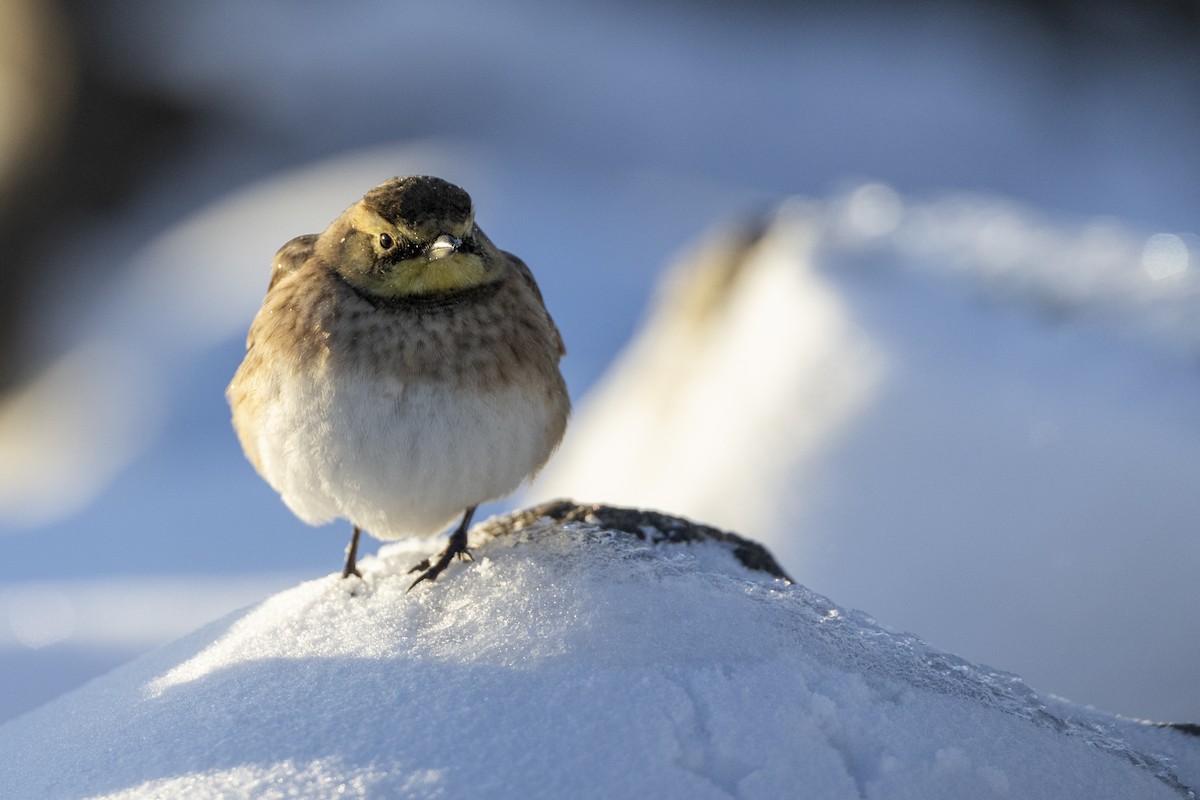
(588, 652)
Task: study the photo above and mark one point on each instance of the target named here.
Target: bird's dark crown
(420, 201)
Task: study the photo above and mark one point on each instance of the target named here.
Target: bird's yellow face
(433, 247)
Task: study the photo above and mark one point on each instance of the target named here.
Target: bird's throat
(433, 301)
(426, 275)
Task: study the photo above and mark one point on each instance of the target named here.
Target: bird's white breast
(398, 459)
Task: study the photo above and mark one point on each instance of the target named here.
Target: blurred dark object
(36, 86)
(74, 149)
(1087, 20)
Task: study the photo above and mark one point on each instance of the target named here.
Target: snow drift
(589, 652)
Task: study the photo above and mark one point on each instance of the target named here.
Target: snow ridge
(588, 652)
(853, 639)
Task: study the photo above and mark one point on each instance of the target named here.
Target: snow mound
(589, 652)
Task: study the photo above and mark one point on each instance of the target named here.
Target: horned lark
(402, 370)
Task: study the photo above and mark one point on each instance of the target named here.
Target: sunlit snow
(569, 660)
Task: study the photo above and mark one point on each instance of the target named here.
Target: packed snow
(571, 659)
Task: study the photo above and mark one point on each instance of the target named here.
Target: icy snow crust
(570, 660)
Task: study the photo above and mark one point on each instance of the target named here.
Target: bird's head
(410, 236)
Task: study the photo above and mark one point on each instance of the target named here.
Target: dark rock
(649, 526)
(1190, 728)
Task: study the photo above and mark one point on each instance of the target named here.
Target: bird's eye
(385, 241)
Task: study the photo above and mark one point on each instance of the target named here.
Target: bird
(401, 371)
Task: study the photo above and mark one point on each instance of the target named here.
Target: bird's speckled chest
(482, 342)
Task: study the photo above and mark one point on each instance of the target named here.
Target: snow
(55, 634)
(997, 445)
(570, 660)
(971, 462)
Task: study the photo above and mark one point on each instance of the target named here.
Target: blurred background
(908, 293)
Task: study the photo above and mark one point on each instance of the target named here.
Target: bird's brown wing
(527, 276)
(291, 256)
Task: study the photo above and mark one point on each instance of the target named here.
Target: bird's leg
(351, 567)
(456, 547)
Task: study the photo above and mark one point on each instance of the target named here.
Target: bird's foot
(457, 547)
(429, 572)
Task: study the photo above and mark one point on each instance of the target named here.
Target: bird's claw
(456, 547)
(429, 572)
